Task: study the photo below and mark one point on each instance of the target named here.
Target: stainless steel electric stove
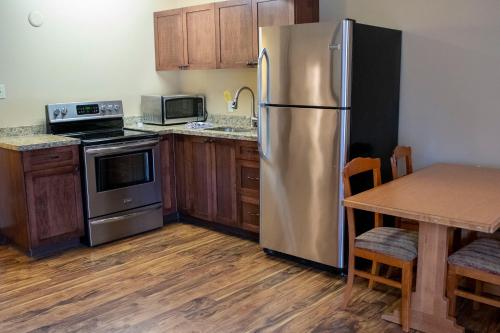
(121, 178)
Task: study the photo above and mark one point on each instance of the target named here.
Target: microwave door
(179, 110)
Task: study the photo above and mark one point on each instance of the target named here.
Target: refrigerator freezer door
(300, 183)
(304, 64)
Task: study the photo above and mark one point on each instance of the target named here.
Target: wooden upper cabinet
(185, 38)
(222, 34)
(306, 11)
(234, 34)
(273, 12)
(267, 13)
(169, 39)
(199, 37)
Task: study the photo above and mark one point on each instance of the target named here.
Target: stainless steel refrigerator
(328, 92)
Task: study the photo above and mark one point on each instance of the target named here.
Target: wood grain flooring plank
(184, 278)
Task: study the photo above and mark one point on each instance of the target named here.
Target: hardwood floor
(189, 279)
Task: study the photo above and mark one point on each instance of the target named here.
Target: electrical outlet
(3, 94)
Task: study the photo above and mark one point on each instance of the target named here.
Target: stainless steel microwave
(170, 110)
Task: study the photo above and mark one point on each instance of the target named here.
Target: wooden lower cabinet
(224, 181)
(249, 213)
(168, 174)
(40, 198)
(210, 186)
(200, 180)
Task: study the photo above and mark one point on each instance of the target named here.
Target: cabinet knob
(253, 178)
(253, 214)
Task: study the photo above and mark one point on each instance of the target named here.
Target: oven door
(122, 176)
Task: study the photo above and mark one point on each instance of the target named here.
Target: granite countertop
(251, 135)
(31, 137)
(37, 141)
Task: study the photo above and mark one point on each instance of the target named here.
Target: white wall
(450, 89)
(92, 50)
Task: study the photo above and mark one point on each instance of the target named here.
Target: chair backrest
(401, 152)
(357, 166)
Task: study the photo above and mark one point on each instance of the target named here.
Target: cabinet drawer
(248, 178)
(247, 150)
(249, 213)
(50, 158)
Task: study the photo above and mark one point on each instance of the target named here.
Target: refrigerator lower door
(300, 180)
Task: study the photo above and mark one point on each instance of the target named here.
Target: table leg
(429, 307)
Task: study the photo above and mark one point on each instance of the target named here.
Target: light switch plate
(3, 94)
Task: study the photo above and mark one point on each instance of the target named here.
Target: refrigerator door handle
(263, 104)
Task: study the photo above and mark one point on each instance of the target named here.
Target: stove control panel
(64, 112)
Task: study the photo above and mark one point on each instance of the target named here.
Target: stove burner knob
(64, 111)
(117, 108)
(102, 108)
(56, 112)
(110, 108)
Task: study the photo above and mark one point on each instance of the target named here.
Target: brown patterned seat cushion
(395, 242)
(482, 254)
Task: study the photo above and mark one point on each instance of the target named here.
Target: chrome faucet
(234, 105)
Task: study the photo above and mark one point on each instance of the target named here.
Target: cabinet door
(199, 37)
(167, 174)
(182, 172)
(54, 204)
(248, 178)
(200, 178)
(224, 175)
(249, 213)
(306, 11)
(269, 13)
(234, 33)
(169, 36)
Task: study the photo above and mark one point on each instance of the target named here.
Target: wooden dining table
(440, 197)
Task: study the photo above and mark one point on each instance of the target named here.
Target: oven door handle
(128, 216)
(122, 147)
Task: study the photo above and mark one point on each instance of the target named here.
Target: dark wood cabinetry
(40, 198)
(200, 178)
(185, 38)
(199, 37)
(217, 180)
(168, 174)
(224, 177)
(169, 40)
(248, 185)
(234, 34)
(268, 13)
(224, 34)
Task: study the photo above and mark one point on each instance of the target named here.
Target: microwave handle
(205, 114)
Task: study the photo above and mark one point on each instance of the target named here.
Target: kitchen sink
(230, 129)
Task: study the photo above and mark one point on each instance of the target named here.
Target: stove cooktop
(104, 137)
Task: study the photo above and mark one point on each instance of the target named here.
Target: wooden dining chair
(390, 246)
(402, 153)
(480, 261)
